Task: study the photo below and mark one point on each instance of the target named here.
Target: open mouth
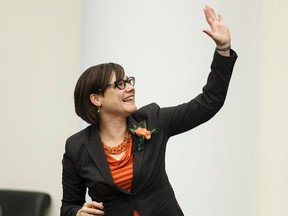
(130, 98)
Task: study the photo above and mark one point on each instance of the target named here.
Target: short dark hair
(94, 80)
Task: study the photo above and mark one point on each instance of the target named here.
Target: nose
(129, 87)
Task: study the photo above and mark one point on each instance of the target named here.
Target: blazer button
(131, 197)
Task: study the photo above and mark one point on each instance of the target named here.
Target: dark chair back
(24, 203)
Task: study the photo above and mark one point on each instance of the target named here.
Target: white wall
(39, 65)
(273, 145)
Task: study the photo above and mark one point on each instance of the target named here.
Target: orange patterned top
(122, 170)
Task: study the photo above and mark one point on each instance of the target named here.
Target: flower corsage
(143, 133)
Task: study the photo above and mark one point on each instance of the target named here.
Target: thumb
(208, 32)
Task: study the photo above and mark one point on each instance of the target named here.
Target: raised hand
(219, 30)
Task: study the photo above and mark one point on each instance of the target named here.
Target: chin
(132, 109)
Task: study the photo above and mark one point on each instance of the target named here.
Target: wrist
(223, 48)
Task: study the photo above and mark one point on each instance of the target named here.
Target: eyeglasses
(121, 84)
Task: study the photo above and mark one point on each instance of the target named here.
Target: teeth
(128, 98)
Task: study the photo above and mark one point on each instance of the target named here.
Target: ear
(96, 99)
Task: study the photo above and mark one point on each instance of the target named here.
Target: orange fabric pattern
(122, 170)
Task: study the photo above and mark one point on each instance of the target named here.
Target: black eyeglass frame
(121, 83)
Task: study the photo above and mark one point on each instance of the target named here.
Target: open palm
(219, 30)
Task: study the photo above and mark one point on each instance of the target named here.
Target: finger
(93, 204)
(210, 17)
(98, 205)
(207, 16)
(210, 13)
(98, 208)
(208, 32)
(220, 18)
(92, 208)
(92, 211)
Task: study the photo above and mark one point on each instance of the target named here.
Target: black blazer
(85, 165)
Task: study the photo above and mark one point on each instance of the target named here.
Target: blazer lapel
(138, 156)
(97, 154)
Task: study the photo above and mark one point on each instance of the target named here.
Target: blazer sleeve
(74, 189)
(186, 116)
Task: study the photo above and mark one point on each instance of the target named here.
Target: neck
(112, 131)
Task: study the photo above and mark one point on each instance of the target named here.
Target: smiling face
(115, 102)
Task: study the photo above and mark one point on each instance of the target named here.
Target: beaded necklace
(116, 150)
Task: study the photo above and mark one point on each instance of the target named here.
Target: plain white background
(235, 164)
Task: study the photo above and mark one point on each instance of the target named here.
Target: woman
(120, 157)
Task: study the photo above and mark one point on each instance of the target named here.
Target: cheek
(115, 100)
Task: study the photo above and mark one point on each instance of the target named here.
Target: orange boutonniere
(143, 133)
